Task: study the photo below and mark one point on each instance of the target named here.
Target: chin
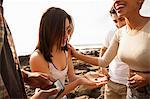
(121, 14)
(63, 45)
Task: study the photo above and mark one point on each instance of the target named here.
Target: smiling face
(119, 21)
(127, 7)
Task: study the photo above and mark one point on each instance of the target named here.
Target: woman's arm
(73, 79)
(139, 80)
(44, 94)
(40, 76)
(89, 59)
(104, 61)
(76, 80)
(71, 73)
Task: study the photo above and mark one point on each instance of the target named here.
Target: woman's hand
(44, 94)
(138, 80)
(37, 79)
(73, 50)
(93, 83)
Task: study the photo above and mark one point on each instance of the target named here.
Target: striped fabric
(1, 30)
(3, 90)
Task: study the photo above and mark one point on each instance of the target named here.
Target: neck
(56, 50)
(136, 22)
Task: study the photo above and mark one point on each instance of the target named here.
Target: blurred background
(91, 19)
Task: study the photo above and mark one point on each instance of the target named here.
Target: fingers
(49, 92)
(132, 84)
(51, 78)
(69, 46)
(48, 79)
(101, 83)
(101, 75)
(46, 76)
(132, 76)
(44, 82)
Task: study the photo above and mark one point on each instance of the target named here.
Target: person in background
(51, 55)
(118, 71)
(131, 44)
(11, 77)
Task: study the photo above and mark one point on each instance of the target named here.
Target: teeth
(120, 6)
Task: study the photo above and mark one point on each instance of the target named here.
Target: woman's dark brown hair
(51, 31)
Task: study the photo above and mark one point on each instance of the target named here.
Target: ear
(140, 3)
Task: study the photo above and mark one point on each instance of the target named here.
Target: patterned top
(3, 30)
(3, 91)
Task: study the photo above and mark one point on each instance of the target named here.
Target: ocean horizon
(79, 47)
(87, 46)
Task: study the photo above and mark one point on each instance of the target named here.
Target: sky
(91, 19)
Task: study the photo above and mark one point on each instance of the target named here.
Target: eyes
(115, 21)
(68, 29)
(119, 20)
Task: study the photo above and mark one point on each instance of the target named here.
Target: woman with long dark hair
(51, 55)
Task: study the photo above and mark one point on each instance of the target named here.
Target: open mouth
(118, 6)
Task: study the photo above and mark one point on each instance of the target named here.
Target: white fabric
(57, 74)
(118, 71)
(134, 49)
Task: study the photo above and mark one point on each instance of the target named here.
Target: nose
(116, 0)
(67, 35)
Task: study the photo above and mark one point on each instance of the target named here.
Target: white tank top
(59, 74)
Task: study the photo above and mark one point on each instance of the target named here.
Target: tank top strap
(66, 53)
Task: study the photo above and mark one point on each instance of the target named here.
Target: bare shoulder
(36, 57)
(37, 61)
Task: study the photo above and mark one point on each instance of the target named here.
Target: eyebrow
(67, 27)
(121, 18)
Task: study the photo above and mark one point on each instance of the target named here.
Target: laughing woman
(132, 45)
(137, 39)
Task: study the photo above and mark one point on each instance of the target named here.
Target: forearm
(88, 59)
(73, 78)
(71, 86)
